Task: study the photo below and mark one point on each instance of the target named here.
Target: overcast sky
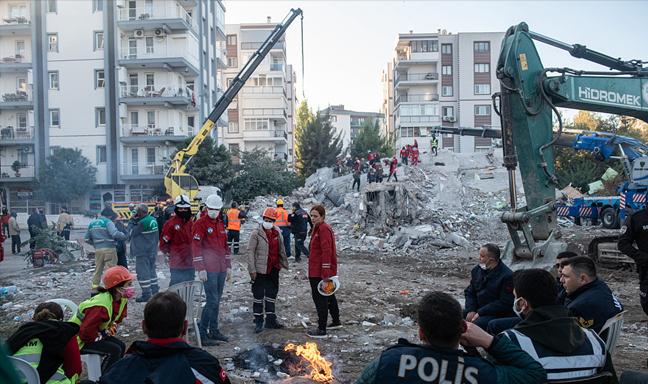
(348, 43)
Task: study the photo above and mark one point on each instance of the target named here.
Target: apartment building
(442, 79)
(387, 106)
(124, 81)
(347, 123)
(261, 116)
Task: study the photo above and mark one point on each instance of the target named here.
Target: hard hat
(270, 213)
(280, 202)
(328, 287)
(116, 275)
(182, 201)
(214, 202)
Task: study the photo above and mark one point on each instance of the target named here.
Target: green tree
(304, 117)
(259, 174)
(318, 146)
(369, 139)
(67, 175)
(212, 165)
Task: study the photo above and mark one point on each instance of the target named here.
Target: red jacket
(322, 260)
(176, 241)
(209, 245)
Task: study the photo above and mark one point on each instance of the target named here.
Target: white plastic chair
(613, 327)
(187, 290)
(26, 370)
(65, 303)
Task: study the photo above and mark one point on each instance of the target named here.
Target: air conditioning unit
(138, 33)
(159, 32)
(450, 119)
(27, 149)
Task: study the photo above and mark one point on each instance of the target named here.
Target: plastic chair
(65, 303)
(613, 327)
(93, 365)
(187, 290)
(600, 378)
(26, 370)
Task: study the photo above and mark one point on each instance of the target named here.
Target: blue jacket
(490, 292)
(593, 304)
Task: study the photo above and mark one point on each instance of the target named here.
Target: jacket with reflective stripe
(31, 353)
(282, 218)
(103, 299)
(233, 221)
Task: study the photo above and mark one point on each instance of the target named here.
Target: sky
(348, 43)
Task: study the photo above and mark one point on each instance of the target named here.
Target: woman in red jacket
(322, 265)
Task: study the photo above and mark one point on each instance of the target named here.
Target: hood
(551, 327)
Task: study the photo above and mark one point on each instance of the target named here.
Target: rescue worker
(404, 155)
(299, 223)
(176, 242)
(48, 344)
(212, 261)
(635, 230)
(143, 247)
(99, 316)
(283, 224)
(165, 358)
(64, 224)
(108, 211)
(439, 359)
(548, 333)
(393, 167)
(266, 256)
(4, 222)
(102, 234)
(434, 145)
(234, 216)
(14, 232)
(356, 179)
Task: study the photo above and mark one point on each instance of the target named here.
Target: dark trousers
(300, 239)
(264, 292)
(15, 243)
(146, 275)
(65, 234)
(324, 305)
(404, 160)
(233, 238)
(285, 233)
(392, 174)
(32, 241)
(179, 275)
(497, 326)
(110, 347)
(434, 151)
(121, 257)
(356, 182)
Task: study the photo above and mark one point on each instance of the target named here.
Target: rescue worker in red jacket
(176, 241)
(211, 258)
(322, 265)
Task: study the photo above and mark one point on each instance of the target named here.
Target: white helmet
(328, 287)
(214, 202)
(182, 201)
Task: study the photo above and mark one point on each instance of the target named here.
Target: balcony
(406, 61)
(16, 63)
(170, 18)
(272, 113)
(276, 135)
(264, 90)
(170, 57)
(254, 45)
(418, 120)
(407, 79)
(281, 156)
(18, 99)
(15, 26)
(16, 136)
(161, 95)
(152, 133)
(277, 67)
(143, 171)
(422, 98)
(25, 174)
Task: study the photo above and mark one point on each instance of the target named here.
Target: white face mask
(483, 266)
(212, 213)
(267, 225)
(517, 311)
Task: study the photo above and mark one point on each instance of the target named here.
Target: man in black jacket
(299, 222)
(35, 223)
(165, 357)
(490, 293)
(636, 230)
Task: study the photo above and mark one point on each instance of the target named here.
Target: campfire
(320, 367)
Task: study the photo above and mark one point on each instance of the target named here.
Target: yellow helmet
(280, 202)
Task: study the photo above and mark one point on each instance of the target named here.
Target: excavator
(176, 179)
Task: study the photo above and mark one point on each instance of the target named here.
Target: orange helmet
(270, 213)
(115, 276)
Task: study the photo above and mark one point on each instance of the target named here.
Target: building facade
(124, 81)
(442, 79)
(262, 114)
(347, 123)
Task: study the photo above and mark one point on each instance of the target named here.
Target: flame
(320, 367)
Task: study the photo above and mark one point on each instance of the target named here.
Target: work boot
(316, 333)
(258, 325)
(207, 342)
(217, 336)
(334, 325)
(273, 324)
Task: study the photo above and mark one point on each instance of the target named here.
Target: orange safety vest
(233, 221)
(282, 218)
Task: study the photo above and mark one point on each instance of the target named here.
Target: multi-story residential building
(347, 123)
(444, 79)
(124, 81)
(387, 106)
(261, 116)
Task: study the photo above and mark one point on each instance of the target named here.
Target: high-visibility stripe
(200, 378)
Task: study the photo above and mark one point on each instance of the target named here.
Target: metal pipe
(512, 189)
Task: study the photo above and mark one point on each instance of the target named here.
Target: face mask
(212, 213)
(483, 266)
(128, 292)
(517, 311)
(183, 214)
(267, 225)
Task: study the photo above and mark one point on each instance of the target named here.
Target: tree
(212, 165)
(317, 146)
(369, 139)
(260, 175)
(304, 117)
(67, 175)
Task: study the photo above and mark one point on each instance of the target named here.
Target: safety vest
(103, 299)
(31, 353)
(282, 218)
(233, 221)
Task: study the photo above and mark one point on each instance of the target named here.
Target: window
(101, 154)
(51, 6)
(446, 90)
(100, 80)
(482, 46)
(100, 116)
(234, 149)
(21, 118)
(256, 124)
(150, 119)
(190, 125)
(134, 119)
(18, 11)
(53, 79)
(448, 111)
(150, 155)
(446, 49)
(446, 70)
(53, 42)
(150, 81)
(98, 40)
(425, 46)
(482, 89)
(232, 127)
(231, 39)
(232, 62)
(132, 48)
(134, 162)
(149, 44)
(148, 7)
(55, 118)
(482, 68)
(97, 5)
(21, 84)
(133, 84)
(20, 49)
(482, 110)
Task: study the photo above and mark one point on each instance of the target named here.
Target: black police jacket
(593, 304)
(490, 292)
(636, 230)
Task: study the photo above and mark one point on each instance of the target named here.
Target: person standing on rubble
(404, 155)
(64, 224)
(634, 230)
(102, 234)
(234, 216)
(283, 224)
(144, 247)
(434, 145)
(393, 167)
(299, 223)
(356, 179)
(35, 225)
(14, 232)
(322, 265)
(120, 245)
(176, 242)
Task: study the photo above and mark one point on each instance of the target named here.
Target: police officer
(636, 230)
(299, 223)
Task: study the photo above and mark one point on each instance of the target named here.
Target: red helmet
(270, 213)
(115, 276)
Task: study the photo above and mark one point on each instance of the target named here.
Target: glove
(112, 330)
(202, 275)
(228, 277)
